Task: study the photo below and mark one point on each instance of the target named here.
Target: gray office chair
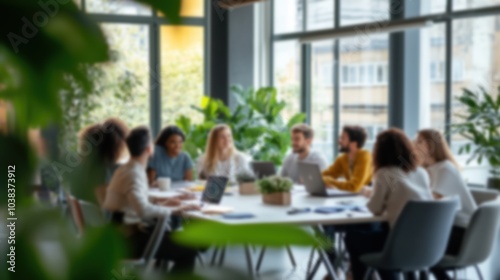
(418, 240)
(92, 214)
(479, 239)
(481, 195)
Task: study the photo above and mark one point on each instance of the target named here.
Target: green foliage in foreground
(274, 184)
(207, 233)
(481, 125)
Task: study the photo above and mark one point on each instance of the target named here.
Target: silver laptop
(310, 174)
(263, 169)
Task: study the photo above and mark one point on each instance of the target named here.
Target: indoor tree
(481, 126)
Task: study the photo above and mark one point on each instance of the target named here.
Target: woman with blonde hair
(446, 180)
(221, 157)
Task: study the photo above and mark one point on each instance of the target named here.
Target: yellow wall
(180, 38)
(192, 8)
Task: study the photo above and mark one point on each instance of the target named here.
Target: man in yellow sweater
(354, 165)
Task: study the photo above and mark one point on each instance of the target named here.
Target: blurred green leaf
(207, 233)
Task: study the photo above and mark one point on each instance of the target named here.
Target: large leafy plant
(481, 125)
(256, 121)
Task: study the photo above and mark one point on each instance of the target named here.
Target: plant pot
(248, 188)
(494, 183)
(279, 198)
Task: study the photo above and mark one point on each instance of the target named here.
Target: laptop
(263, 169)
(214, 189)
(310, 174)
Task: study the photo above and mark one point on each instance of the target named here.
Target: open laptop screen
(214, 189)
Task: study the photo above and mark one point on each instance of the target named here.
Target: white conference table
(273, 214)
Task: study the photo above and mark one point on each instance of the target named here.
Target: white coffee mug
(164, 183)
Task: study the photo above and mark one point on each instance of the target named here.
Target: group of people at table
(425, 170)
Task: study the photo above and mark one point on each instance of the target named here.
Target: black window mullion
(448, 66)
(336, 81)
(305, 91)
(271, 46)
(154, 78)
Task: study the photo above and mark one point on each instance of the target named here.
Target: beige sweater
(128, 192)
(393, 188)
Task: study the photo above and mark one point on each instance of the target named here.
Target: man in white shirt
(127, 198)
(302, 136)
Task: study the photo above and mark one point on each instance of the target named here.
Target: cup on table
(164, 183)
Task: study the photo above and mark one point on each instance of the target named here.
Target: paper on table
(162, 194)
(215, 209)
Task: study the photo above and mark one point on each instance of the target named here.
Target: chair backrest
(479, 239)
(419, 237)
(481, 195)
(155, 239)
(92, 214)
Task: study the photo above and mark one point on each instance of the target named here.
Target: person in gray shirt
(302, 136)
(169, 160)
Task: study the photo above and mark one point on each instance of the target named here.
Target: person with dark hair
(302, 136)
(354, 165)
(397, 180)
(127, 198)
(106, 142)
(102, 146)
(169, 160)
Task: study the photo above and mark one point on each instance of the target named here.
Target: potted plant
(246, 182)
(275, 190)
(481, 125)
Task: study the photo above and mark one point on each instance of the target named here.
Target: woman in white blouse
(221, 157)
(397, 180)
(446, 181)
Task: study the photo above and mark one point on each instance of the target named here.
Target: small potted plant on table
(276, 190)
(247, 184)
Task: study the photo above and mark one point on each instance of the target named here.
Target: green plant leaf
(295, 119)
(209, 233)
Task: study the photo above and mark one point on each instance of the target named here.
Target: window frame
(447, 17)
(155, 22)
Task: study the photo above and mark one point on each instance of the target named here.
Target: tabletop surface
(275, 214)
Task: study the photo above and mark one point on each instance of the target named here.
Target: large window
(322, 97)
(125, 79)
(287, 73)
(364, 87)
(433, 83)
(148, 83)
(476, 53)
(356, 74)
(182, 71)
(345, 80)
